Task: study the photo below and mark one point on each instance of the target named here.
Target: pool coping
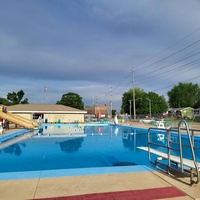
(75, 172)
(7, 136)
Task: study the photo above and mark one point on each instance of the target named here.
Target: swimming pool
(58, 147)
(92, 146)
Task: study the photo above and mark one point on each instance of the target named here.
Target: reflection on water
(133, 138)
(64, 147)
(14, 149)
(161, 138)
(71, 145)
(49, 130)
(116, 130)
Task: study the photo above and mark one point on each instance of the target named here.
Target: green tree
(126, 98)
(143, 102)
(5, 102)
(184, 95)
(25, 101)
(16, 98)
(114, 112)
(72, 99)
(158, 103)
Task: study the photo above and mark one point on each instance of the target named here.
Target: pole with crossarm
(134, 109)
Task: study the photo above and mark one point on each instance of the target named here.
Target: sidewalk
(146, 125)
(138, 184)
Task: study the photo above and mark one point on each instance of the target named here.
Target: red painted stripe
(146, 194)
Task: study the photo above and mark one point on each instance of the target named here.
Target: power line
(176, 61)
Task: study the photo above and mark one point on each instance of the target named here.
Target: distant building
(48, 112)
(97, 110)
(196, 112)
(181, 112)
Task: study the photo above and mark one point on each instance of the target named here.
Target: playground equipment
(12, 118)
(1, 128)
(16, 119)
(23, 118)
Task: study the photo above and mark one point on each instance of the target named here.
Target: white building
(50, 113)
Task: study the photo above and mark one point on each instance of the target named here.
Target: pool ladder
(177, 162)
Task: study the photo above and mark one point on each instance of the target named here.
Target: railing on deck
(165, 152)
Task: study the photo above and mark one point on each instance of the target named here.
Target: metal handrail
(191, 142)
(169, 148)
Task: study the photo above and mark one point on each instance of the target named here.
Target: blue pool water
(55, 147)
(100, 146)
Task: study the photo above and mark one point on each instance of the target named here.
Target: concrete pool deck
(96, 183)
(38, 188)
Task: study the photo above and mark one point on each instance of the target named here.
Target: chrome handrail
(169, 148)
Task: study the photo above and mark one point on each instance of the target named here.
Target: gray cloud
(86, 46)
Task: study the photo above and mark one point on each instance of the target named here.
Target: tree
(143, 101)
(72, 99)
(184, 95)
(114, 112)
(25, 101)
(127, 97)
(15, 98)
(5, 102)
(158, 103)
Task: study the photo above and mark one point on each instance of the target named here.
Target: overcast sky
(90, 46)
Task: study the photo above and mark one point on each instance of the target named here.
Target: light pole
(130, 108)
(149, 107)
(134, 109)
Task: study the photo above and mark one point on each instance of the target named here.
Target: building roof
(43, 108)
(179, 109)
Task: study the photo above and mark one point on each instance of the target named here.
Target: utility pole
(45, 90)
(96, 100)
(134, 112)
(93, 101)
(149, 107)
(97, 108)
(110, 101)
(130, 107)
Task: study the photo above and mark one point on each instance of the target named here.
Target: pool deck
(39, 188)
(93, 182)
